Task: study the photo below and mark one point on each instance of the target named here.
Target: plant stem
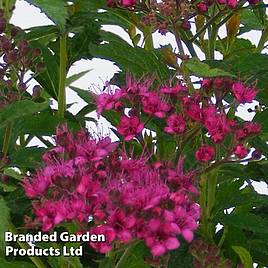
(263, 40)
(38, 263)
(225, 230)
(212, 41)
(179, 43)
(148, 39)
(6, 139)
(208, 185)
(62, 78)
(209, 22)
(182, 53)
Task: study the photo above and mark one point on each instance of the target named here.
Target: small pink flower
(206, 83)
(242, 93)
(188, 235)
(129, 127)
(176, 90)
(175, 124)
(205, 153)
(248, 129)
(110, 235)
(107, 101)
(232, 3)
(128, 3)
(202, 8)
(158, 250)
(153, 105)
(240, 151)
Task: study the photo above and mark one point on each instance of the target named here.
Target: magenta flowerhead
(129, 127)
(205, 153)
(242, 93)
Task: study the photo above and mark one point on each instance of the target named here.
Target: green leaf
(244, 256)
(56, 10)
(181, 258)
(20, 108)
(4, 221)
(86, 33)
(136, 60)
(15, 264)
(249, 21)
(43, 34)
(85, 95)
(75, 77)
(49, 78)
(246, 221)
(8, 187)
(201, 69)
(29, 157)
(260, 144)
(239, 45)
(13, 173)
(90, 5)
(262, 118)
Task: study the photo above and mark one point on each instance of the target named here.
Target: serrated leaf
(39, 33)
(56, 10)
(202, 69)
(4, 221)
(86, 96)
(249, 21)
(49, 78)
(73, 78)
(246, 221)
(136, 60)
(29, 157)
(244, 255)
(20, 108)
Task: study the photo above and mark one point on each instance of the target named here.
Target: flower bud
(6, 160)
(4, 178)
(39, 67)
(11, 57)
(15, 31)
(22, 87)
(3, 24)
(23, 47)
(256, 154)
(36, 91)
(185, 25)
(5, 43)
(36, 53)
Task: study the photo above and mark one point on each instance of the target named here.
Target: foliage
(180, 103)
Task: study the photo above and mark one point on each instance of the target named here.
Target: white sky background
(26, 16)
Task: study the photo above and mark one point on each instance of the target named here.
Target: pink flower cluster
(181, 110)
(128, 197)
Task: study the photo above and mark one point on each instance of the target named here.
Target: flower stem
(212, 41)
(6, 139)
(263, 40)
(38, 263)
(208, 186)
(62, 78)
